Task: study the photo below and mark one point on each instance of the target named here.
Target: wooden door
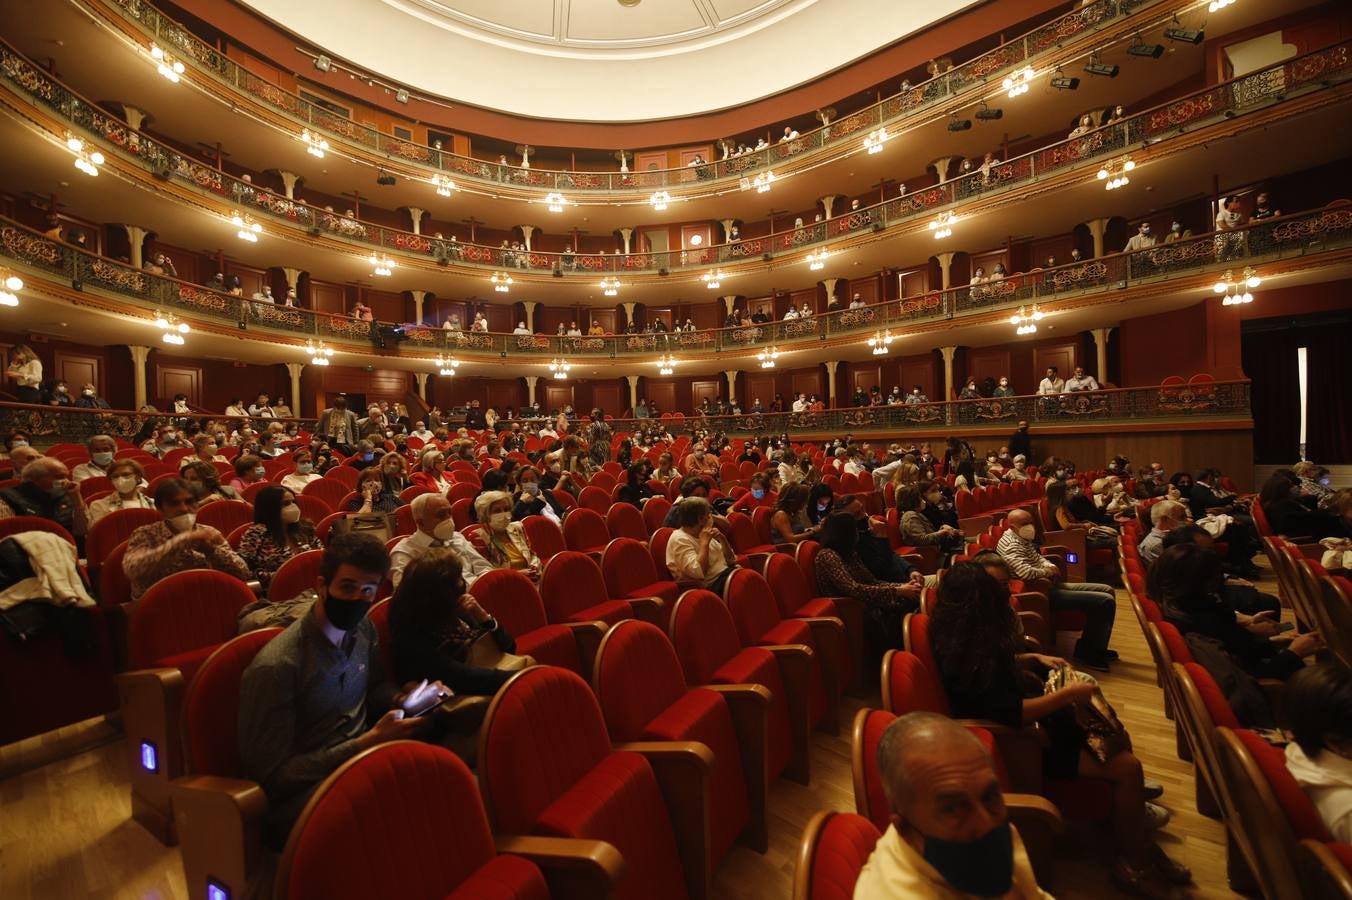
(760, 387)
(557, 396)
(650, 162)
(865, 378)
(173, 380)
(702, 389)
(327, 297)
(608, 396)
(913, 284)
(1064, 355)
(606, 317)
(661, 394)
(987, 362)
(77, 370)
(501, 394)
(809, 383)
(920, 370)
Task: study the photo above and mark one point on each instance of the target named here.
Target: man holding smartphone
(318, 693)
(46, 491)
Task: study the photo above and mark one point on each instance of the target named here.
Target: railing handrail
(925, 201)
(974, 73)
(1018, 289)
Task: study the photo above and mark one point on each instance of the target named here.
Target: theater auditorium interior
(675, 449)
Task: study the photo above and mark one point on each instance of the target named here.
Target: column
(1101, 352)
(422, 384)
(293, 279)
(289, 182)
(628, 311)
(729, 304)
(135, 117)
(623, 157)
(531, 381)
(138, 374)
(828, 202)
(829, 284)
(731, 376)
(633, 390)
(418, 298)
(831, 366)
(525, 150)
(727, 229)
(526, 232)
(529, 306)
(294, 369)
(945, 263)
(1096, 228)
(626, 234)
(136, 236)
(941, 166)
(949, 353)
(416, 214)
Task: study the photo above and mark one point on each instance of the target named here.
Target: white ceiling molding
(600, 61)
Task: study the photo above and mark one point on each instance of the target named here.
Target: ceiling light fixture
(1237, 292)
(1218, 5)
(381, 264)
(666, 364)
(9, 294)
(166, 64)
(502, 282)
(713, 280)
(875, 140)
(880, 341)
(763, 181)
(767, 357)
(610, 286)
(1096, 66)
(443, 184)
(942, 226)
(555, 201)
(816, 261)
(1178, 33)
(323, 63)
(86, 160)
(173, 329)
(446, 365)
(1018, 83)
(659, 200)
(249, 230)
(1114, 173)
(314, 144)
(319, 354)
(1063, 82)
(560, 367)
(1026, 322)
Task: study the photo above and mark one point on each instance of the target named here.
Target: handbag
(1337, 553)
(383, 526)
(1104, 734)
(484, 653)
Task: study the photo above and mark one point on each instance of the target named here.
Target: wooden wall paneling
(809, 382)
(250, 279)
(606, 317)
(987, 362)
(651, 161)
(700, 389)
(610, 398)
(920, 370)
(1064, 354)
(863, 376)
(387, 306)
(662, 394)
(808, 296)
(325, 296)
(171, 380)
(77, 370)
(557, 396)
(913, 284)
(707, 315)
(760, 387)
(500, 317)
(866, 288)
(504, 393)
(549, 318)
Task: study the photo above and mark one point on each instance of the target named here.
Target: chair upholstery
(581, 787)
(296, 575)
(655, 513)
(833, 851)
(574, 590)
(585, 531)
(114, 585)
(330, 489)
(657, 549)
(797, 601)
(312, 508)
(745, 541)
(595, 497)
(113, 529)
(512, 599)
(643, 695)
(625, 520)
(183, 617)
(17, 524)
(225, 515)
(630, 574)
(544, 537)
(439, 807)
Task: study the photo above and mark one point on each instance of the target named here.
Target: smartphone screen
(431, 702)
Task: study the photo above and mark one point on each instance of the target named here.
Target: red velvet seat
(655, 513)
(225, 515)
(439, 807)
(513, 600)
(462, 491)
(595, 498)
(296, 575)
(709, 652)
(796, 601)
(643, 696)
(833, 851)
(544, 537)
(585, 531)
(114, 586)
(625, 520)
(312, 509)
(657, 549)
(751, 551)
(581, 787)
(111, 530)
(574, 590)
(630, 574)
(330, 489)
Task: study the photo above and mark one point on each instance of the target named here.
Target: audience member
(790, 523)
(278, 533)
(505, 541)
(46, 491)
(1318, 705)
(249, 469)
(176, 543)
(1081, 382)
(917, 530)
(126, 477)
(436, 528)
(1290, 514)
(303, 472)
(205, 481)
(1051, 384)
(841, 572)
(375, 494)
(102, 449)
(698, 554)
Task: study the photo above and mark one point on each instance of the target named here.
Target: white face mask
(498, 521)
(290, 514)
(125, 484)
(445, 530)
(1027, 532)
(180, 524)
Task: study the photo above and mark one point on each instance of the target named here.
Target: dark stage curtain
(1328, 408)
(1269, 359)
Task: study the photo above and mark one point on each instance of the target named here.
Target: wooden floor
(65, 832)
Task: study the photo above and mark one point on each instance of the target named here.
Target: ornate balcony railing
(1218, 400)
(1034, 48)
(1289, 236)
(1320, 70)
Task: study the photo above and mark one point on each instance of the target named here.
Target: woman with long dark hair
(790, 523)
(841, 572)
(278, 533)
(819, 501)
(1288, 513)
(974, 638)
(598, 439)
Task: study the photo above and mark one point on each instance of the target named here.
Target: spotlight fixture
(956, 124)
(385, 179)
(763, 181)
(314, 144)
(401, 96)
(880, 341)
(1218, 5)
(560, 367)
(319, 354)
(9, 289)
(1114, 173)
(555, 201)
(502, 282)
(610, 286)
(1026, 322)
(1141, 48)
(986, 114)
(446, 365)
(767, 357)
(87, 161)
(323, 63)
(942, 226)
(1237, 292)
(173, 329)
(381, 265)
(443, 184)
(249, 230)
(166, 65)
(666, 364)
(712, 280)
(875, 140)
(1018, 83)
(1096, 66)
(1064, 82)
(1185, 35)
(816, 261)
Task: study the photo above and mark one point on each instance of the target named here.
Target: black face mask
(984, 867)
(344, 614)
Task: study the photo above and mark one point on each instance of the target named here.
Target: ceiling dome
(603, 60)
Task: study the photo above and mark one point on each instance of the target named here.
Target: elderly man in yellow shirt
(950, 836)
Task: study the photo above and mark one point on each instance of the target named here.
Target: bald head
(44, 473)
(917, 742)
(1018, 518)
(20, 457)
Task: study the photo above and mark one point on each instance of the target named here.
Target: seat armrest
(749, 705)
(795, 668)
(151, 704)
(588, 636)
(574, 868)
(1275, 690)
(219, 823)
(650, 609)
(682, 769)
(1039, 823)
(255, 586)
(1021, 750)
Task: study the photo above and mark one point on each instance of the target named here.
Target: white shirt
(1050, 386)
(1327, 781)
(521, 330)
(895, 870)
(791, 314)
(683, 559)
(296, 482)
(88, 470)
(29, 373)
(853, 468)
(1081, 383)
(800, 405)
(418, 543)
(423, 435)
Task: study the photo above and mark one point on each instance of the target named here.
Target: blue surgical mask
(368, 456)
(984, 867)
(758, 493)
(823, 507)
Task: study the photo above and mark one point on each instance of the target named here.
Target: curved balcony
(1211, 403)
(1305, 235)
(1321, 71)
(1058, 41)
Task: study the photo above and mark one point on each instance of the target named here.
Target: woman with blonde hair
(26, 370)
(431, 472)
(505, 541)
(906, 473)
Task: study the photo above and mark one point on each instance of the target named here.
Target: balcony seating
(644, 696)
(513, 600)
(646, 799)
(226, 515)
(574, 590)
(585, 531)
(832, 853)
